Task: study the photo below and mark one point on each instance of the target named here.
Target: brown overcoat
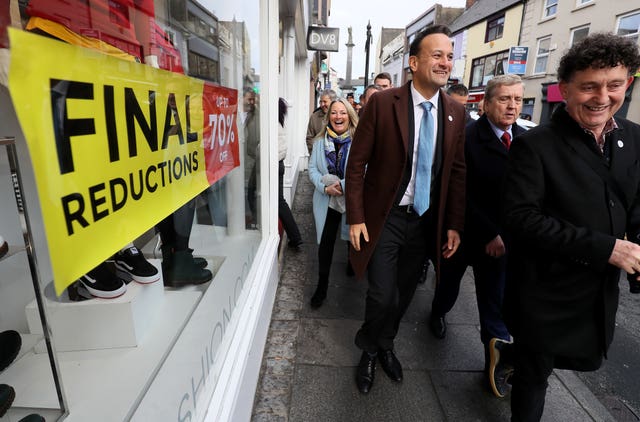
(377, 159)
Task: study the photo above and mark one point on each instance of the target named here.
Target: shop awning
(553, 94)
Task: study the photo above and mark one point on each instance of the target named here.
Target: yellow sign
(116, 146)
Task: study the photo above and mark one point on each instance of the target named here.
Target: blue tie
(422, 188)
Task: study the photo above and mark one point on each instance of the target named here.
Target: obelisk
(350, 44)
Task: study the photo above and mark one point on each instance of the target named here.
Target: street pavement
(309, 361)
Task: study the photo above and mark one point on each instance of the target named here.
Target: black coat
(486, 159)
(562, 295)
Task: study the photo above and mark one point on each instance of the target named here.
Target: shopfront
(137, 122)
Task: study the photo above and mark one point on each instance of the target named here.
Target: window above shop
(542, 55)
(485, 68)
(495, 28)
(550, 8)
(578, 34)
(629, 26)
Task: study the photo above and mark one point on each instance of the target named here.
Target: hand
(334, 189)
(453, 242)
(355, 231)
(495, 248)
(626, 255)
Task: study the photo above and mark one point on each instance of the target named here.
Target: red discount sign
(221, 144)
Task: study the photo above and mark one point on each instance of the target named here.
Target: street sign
(517, 60)
(320, 38)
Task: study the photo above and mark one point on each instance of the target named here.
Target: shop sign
(517, 60)
(116, 146)
(320, 38)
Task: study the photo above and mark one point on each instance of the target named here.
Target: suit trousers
(393, 272)
(489, 274)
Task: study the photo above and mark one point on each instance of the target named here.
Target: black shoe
(100, 282)
(181, 270)
(500, 370)
(10, 343)
(438, 326)
(320, 294)
(7, 394)
(132, 265)
(390, 365)
(366, 372)
(34, 417)
(4, 247)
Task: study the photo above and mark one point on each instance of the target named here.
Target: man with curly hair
(572, 208)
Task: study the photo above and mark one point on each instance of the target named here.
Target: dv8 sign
(221, 146)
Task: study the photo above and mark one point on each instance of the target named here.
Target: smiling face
(594, 95)
(325, 100)
(505, 105)
(432, 65)
(339, 118)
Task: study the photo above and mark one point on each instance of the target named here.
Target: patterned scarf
(336, 160)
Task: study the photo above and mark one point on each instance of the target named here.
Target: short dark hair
(598, 51)
(458, 89)
(383, 75)
(350, 95)
(414, 49)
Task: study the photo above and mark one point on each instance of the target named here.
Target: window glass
(629, 26)
(579, 34)
(542, 55)
(176, 83)
(550, 8)
(495, 28)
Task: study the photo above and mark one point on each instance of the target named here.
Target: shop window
(578, 34)
(495, 28)
(542, 55)
(151, 125)
(485, 68)
(550, 8)
(629, 26)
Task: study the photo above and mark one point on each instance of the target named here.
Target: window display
(138, 125)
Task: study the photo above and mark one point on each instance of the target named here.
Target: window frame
(497, 24)
(573, 33)
(635, 35)
(480, 64)
(539, 56)
(547, 11)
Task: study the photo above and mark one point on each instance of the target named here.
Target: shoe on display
(102, 283)
(34, 417)
(180, 269)
(200, 262)
(132, 265)
(10, 343)
(7, 394)
(4, 247)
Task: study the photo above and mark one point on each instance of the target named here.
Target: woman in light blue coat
(327, 165)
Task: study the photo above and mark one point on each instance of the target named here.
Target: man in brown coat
(405, 187)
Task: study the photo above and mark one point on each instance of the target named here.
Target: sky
(356, 13)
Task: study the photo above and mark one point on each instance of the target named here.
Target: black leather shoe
(10, 343)
(390, 365)
(438, 326)
(366, 372)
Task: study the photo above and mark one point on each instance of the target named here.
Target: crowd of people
(546, 218)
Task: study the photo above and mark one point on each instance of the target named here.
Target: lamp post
(366, 49)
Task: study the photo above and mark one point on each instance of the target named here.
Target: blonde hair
(353, 117)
